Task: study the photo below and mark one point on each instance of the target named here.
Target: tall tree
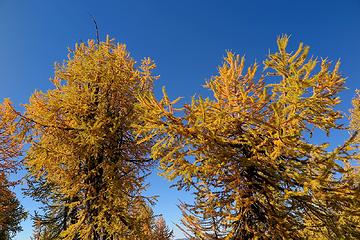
(83, 160)
(248, 154)
(11, 212)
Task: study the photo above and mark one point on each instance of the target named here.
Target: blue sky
(187, 40)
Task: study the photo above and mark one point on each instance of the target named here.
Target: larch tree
(11, 212)
(355, 116)
(160, 231)
(248, 154)
(83, 161)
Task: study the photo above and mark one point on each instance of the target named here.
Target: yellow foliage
(83, 160)
(247, 153)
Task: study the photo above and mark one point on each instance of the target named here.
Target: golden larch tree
(248, 154)
(11, 212)
(83, 160)
(160, 231)
(355, 116)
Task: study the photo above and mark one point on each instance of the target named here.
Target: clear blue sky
(187, 40)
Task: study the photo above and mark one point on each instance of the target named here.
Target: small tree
(248, 155)
(11, 212)
(161, 231)
(355, 116)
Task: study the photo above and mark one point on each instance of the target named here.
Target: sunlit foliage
(10, 139)
(83, 162)
(355, 116)
(247, 152)
(160, 231)
(11, 212)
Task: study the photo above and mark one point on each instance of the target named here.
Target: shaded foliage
(11, 212)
